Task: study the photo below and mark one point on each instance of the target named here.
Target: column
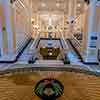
(40, 23)
(1, 40)
(98, 43)
(1, 27)
(7, 12)
(69, 18)
(14, 25)
(72, 14)
(92, 50)
(75, 6)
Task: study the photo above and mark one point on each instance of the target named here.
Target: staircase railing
(63, 41)
(37, 38)
(77, 44)
(65, 48)
(33, 50)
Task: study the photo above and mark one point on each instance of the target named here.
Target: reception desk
(49, 53)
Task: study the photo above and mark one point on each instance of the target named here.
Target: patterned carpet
(77, 86)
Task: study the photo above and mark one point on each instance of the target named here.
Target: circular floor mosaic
(49, 89)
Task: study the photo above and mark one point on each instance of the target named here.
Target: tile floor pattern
(77, 86)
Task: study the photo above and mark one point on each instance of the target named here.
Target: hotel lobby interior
(49, 50)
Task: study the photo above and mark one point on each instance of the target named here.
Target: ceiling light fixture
(32, 19)
(55, 15)
(79, 5)
(57, 4)
(43, 5)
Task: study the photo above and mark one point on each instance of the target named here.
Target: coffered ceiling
(54, 6)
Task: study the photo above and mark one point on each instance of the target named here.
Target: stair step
(50, 62)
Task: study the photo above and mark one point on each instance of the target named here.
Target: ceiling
(54, 6)
(54, 9)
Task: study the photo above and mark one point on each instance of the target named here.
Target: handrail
(19, 54)
(22, 5)
(76, 40)
(35, 41)
(33, 50)
(63, 41)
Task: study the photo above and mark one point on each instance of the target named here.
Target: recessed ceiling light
(55, 15)
(43, 4)
(57, 4)
(79, 5)
(32, 19)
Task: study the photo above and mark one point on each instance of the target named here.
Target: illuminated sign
(93, 42)
(94, 37)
